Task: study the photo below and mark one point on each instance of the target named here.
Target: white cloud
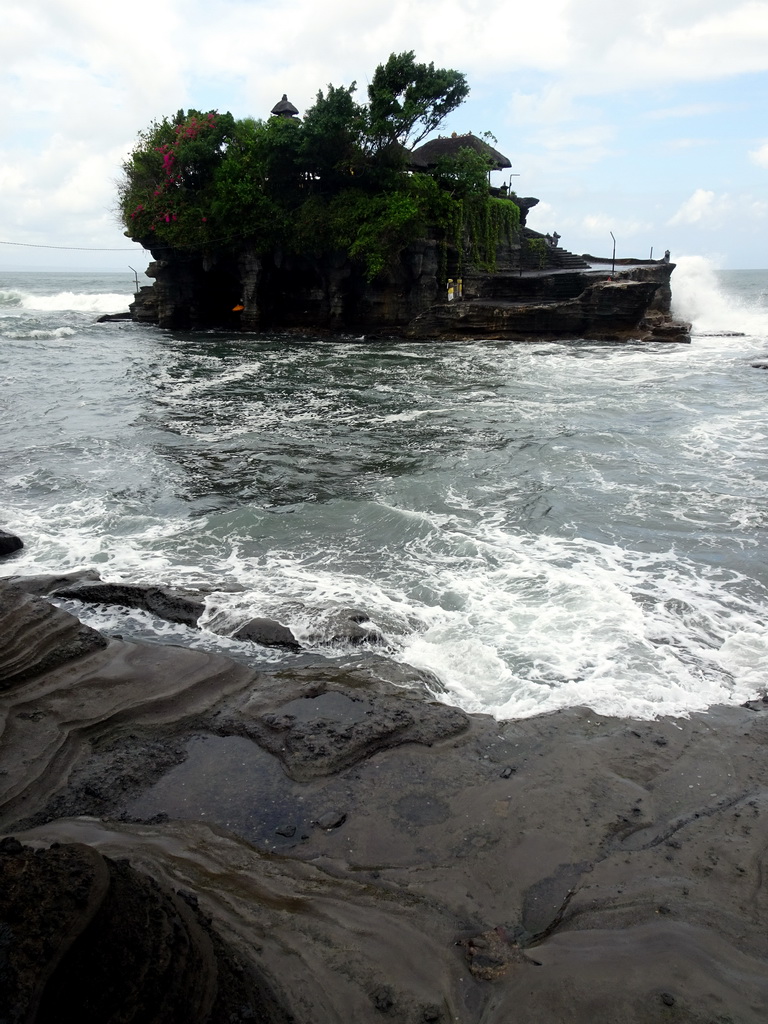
(698, 206)
(600, 225)
(710, 210)
(685, 110)
(658, 42)
(759, 156)
(81, 77)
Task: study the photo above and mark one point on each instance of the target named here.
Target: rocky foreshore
(187, 839)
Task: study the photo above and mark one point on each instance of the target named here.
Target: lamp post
(613, 263)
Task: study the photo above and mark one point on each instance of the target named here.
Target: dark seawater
(538, 525)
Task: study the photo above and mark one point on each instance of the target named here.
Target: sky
(647, 120)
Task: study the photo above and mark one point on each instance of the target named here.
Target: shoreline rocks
(109, 943)
(364, 851)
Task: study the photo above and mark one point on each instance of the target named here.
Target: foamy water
(81, 302)
(535, 526)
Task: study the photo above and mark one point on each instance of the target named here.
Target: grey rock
(36, 637)
(173, 605)
(331, 820)
(268, 633)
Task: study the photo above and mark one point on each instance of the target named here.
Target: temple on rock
(339, 230)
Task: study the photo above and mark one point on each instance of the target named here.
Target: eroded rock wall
(289, 292)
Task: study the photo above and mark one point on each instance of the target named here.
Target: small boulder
(268, 633)
(9, 543)
(331, 820)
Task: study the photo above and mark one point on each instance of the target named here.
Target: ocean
(535, 526)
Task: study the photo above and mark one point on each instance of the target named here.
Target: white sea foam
(511, 624)
(10, 298)
(38, 333)
(82, 302)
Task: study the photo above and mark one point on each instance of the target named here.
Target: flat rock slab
(566, 867)
(320, 734)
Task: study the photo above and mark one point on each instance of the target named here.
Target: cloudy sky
(647, 120)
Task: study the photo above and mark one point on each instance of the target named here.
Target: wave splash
(14, 299)
(79, 302)
(698, 296)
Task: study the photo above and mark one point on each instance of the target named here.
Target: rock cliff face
(522, 300)
(631, 304)
(285, 292)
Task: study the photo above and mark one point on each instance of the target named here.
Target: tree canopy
(334, 180)
(407, 101)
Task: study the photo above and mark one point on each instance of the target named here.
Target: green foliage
(537, 250)
(463, 175)
(407, 101)
(332, 182)
(332, 132)
(487, 222)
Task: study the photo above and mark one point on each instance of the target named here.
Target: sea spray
(699, 295)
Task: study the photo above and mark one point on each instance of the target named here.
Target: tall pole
(613, 264)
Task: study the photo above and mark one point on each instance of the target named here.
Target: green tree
(465, 174)
(332, 132)
(407, 101)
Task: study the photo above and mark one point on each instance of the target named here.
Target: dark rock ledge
(345, 626)
(188, 840)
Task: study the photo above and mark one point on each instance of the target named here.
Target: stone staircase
(561, 259)
(537, 253)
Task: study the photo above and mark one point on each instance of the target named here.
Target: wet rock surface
(628, 304)
(325, 730)
(35, 637)
(92, 935)
(351, 850)
(173, 605)
(9, 543)
(266, 632)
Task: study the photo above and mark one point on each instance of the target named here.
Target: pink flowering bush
(164, 189)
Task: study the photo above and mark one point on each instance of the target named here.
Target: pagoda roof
(284, 108)
(428, 155)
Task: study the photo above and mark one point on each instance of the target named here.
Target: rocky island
(345, 220)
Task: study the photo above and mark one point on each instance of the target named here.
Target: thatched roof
(428, 154)
(284, 108)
